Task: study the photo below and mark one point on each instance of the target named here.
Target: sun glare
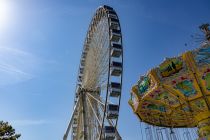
(5, 13)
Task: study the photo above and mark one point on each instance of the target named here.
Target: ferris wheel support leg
(71, 120)
(84, 106)
(203, 120)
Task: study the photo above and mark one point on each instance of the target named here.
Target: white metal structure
(99, 85)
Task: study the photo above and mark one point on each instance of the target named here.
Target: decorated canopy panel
(174, 92)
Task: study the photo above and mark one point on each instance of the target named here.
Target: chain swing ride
(172, 100)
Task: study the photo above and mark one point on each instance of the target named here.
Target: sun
(5, 13)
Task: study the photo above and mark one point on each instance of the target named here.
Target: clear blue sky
(40, 48)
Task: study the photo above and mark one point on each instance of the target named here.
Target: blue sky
(40, 48)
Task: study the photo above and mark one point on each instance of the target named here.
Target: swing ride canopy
(177, 92)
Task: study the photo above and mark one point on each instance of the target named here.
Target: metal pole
(71, 120)
(84, 107)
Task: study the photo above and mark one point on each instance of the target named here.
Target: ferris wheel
(99, 83)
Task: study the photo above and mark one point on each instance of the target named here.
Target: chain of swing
(151, 132)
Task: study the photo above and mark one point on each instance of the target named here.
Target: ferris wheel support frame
(71, 120)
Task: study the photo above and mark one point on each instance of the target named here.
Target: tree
(7, 132)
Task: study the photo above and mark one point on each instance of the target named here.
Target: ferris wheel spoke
(99, 65)
(103, 77)
(99, 99)
(98, 38)
(97, 115)
(103, 68)
(101, 61)
(103, 86)
(103, 44)
(96, 99)
(98, 119)
(93, 78)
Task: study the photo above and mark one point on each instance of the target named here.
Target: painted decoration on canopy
(182, 118)
(186, 109)
(164, 96)
(204, 138)
(147, 114)
(152, 106)
(170, 67)
(206, 78)
(186, 87)
(134, 101)
(143, 84)
(178, 116)
(208, 97)
(202, 56)
(200, 105)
